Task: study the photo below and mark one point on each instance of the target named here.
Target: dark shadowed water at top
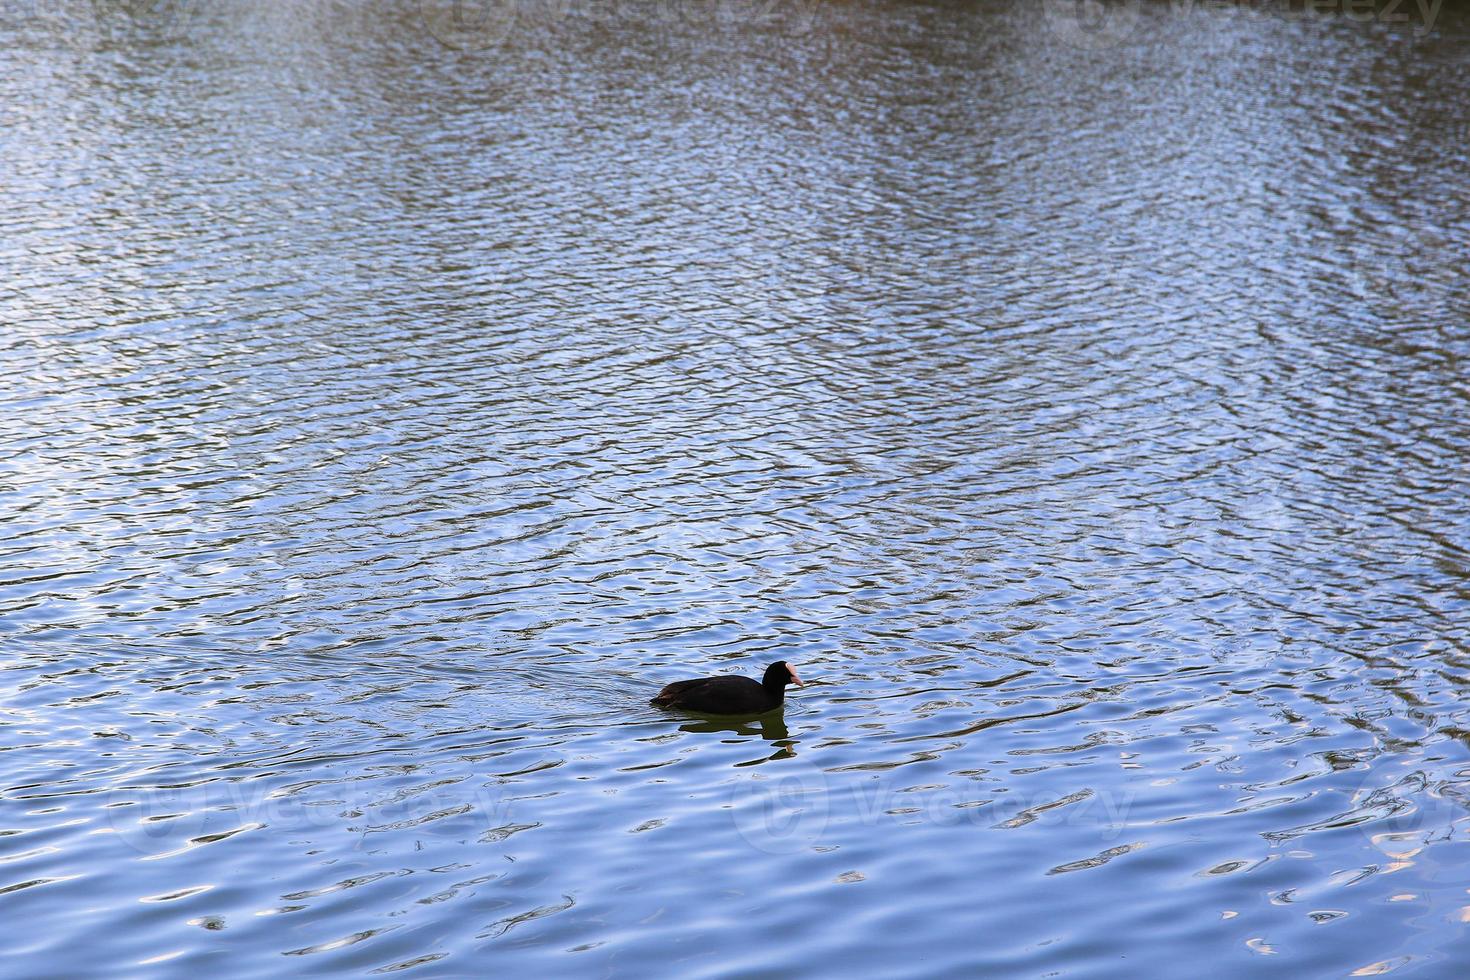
(392, 403)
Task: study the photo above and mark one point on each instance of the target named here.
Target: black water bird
(727, 694)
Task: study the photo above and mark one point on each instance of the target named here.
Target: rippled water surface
(391, 404)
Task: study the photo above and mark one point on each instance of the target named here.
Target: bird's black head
(778, 675)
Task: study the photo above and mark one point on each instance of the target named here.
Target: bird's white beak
(794, 679)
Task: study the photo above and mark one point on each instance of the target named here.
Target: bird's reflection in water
(770, 726)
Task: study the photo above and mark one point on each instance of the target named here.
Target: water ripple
(394, 402)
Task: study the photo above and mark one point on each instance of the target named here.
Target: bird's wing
(679, 689)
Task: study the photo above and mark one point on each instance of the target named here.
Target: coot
(730, 695)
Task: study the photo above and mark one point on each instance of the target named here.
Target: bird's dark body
(728, 694)
(718, 695)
